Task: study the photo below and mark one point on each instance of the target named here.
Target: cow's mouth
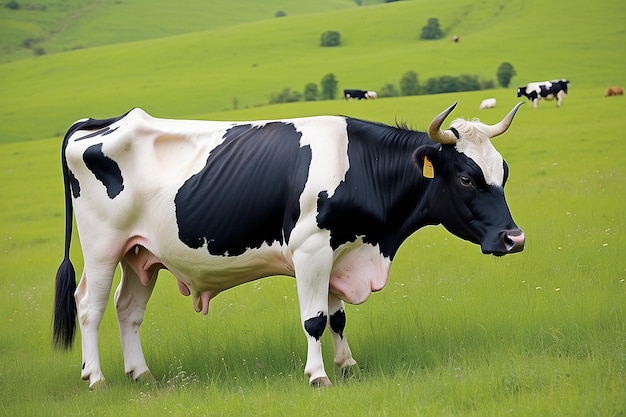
(507, 241)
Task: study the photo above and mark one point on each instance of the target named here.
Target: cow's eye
(466, 182)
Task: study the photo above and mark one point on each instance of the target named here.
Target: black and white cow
(545, 90)
(328, 200)
(359, 94)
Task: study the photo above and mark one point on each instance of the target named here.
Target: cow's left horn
(434, 129)
(502, 126)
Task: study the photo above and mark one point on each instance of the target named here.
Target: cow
(614, 91)
(488, 103)
(325, 199)
(545, 90)
(358, 94)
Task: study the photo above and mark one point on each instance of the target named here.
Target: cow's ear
(427, 159)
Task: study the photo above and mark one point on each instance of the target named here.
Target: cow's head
(470, 176)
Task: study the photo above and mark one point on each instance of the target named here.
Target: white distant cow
(488, 103)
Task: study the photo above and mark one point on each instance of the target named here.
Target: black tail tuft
(65, 306)
(64, 303)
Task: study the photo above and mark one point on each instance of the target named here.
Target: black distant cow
(326, 199)
(358, 94)
(545, 90)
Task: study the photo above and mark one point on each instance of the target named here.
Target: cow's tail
(64, 302)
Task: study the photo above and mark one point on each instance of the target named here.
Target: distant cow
(545, 90)
(614, 91)
(358, 94)
(488, 103)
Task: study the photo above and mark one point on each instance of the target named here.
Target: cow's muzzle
(508, 241)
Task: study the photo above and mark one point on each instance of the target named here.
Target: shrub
(432, 30)
(466, 82)
(311, 92)
(487, 84)
(505, 73)
(13, 5)
(280, 13)
(329, 86)
(29, 42)
(330, 38)
(450, 84)
(409, 85)
(285, 96)
(388, 90)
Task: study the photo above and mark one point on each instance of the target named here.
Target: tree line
(408, 85)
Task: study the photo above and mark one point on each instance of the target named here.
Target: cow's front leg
(131, 298)
(337, 323)
(312, 267)
(91, 297)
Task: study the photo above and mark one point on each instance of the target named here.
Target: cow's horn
(435, 132)
(501, 127)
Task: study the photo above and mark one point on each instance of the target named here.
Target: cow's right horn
(502, 126)
(434, 129)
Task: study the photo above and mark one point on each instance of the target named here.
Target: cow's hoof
(321, 382)
(146, 378)
(98, 385)
(349, 372)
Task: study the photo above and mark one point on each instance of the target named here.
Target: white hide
(476, 144)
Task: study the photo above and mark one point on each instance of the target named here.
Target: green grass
(541, 333)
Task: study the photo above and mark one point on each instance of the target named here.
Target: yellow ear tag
(428, 171)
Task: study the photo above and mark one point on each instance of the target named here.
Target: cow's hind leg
(92, 295)
(337, 323)
(131, 298)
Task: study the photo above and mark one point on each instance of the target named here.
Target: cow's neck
(384, 197)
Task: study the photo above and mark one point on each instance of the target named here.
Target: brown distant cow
(614, 91)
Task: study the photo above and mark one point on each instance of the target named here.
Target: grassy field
(541, 333)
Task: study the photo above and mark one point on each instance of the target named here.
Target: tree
(409, 85)
(330, 38)
(329, 86)
(505, 73)
(311, 92)
(432, 30)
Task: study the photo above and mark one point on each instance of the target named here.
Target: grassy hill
(202, 72)
(76, 24)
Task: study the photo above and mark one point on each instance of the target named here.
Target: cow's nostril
(514, 240)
